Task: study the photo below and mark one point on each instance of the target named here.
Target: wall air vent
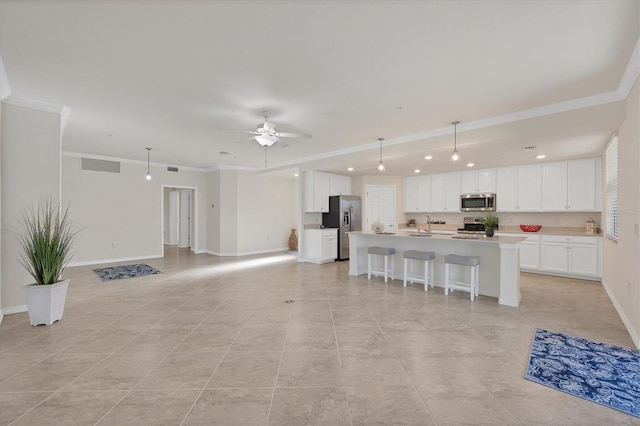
(172, 169)
(529, 148)
(94, 165)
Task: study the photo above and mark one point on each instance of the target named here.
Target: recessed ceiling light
(470, 164)
(350, 169)
(428, 157)
(541, 156)
(416, 171)
(295, 174)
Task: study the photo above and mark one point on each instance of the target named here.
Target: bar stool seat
(473, 262)
(414, 255)
(380, 251)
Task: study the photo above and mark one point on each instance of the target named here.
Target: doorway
(381, 206)
(179, 217)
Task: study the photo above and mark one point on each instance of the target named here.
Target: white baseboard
(14, 310)
(246, 253)
(121, 259)
(623, 317)
(1, 316)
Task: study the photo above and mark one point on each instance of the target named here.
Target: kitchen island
(499, 258)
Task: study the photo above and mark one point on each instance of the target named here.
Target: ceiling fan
(266, 134)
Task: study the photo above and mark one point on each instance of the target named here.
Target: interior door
(185, 218)
(173, 217)
(381, 206)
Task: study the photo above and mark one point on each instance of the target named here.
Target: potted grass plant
(490, 223)
(46, 238)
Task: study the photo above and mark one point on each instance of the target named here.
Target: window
(611, 163)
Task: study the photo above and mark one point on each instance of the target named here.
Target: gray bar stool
(380, 251)
(472, 286)
(425, 256)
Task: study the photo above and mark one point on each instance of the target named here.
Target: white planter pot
(46, 302)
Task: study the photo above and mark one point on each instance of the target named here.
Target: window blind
(611, 163)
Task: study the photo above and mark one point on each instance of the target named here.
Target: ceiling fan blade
(282, 144)
(246, 140)
(293, 135)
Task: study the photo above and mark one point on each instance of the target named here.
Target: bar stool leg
(446, 279)
(432, 273)
(477, 283)
(404, 280)
(385, 268)
(369, 266)
(472, 290)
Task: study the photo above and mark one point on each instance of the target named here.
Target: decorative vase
(293, 240)
(489, 232)
(45, 303)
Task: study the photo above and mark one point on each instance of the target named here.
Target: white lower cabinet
(321, 245)
(576, 256)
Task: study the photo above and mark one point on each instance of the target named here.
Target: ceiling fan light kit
(455, 155)
(266, 135)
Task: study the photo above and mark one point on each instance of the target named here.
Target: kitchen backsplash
(561, 219)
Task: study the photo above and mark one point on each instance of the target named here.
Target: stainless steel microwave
(478, 202)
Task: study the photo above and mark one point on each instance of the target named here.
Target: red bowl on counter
(531, 228)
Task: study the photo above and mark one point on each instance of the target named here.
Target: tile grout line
(275, 384)
(395, 353)
(344, 383)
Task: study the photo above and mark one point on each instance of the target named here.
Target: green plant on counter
(491, 220)
(411, 222)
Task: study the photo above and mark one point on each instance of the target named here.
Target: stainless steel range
(472, 225)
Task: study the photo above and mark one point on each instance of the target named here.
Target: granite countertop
(458, 237)
(546, 230)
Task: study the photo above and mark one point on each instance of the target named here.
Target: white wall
(228, 206)
(213, 212)
(621, 273)
(265, 212)
(30, 173)
(124, 209)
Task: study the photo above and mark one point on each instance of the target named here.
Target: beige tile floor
(212, 341)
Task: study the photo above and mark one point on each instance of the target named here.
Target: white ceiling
(174, 75)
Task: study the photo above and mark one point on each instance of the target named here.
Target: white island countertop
(499, 258)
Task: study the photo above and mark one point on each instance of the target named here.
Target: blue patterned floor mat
(126, 271)
(605, 374)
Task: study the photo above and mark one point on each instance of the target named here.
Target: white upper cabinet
(554, 186)
(584, 185)
(478, 181)
(571, 185)
(519, 188)
(417, 191)
(529, 188)
(445, 192)
(339, 185)
(316, 192)
(507, 189)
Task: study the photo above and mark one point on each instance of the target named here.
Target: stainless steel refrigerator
(344, 214)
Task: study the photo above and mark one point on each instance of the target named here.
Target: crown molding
(631, 72)
(129, 161)
(5, 89)
(23, 101)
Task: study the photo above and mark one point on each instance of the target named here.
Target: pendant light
(380, 167)
(455, 155)
(148, 175)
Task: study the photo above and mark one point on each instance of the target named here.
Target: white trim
(128, 161)
(241, 168)
(1, 316)
(574, 104)
(630, 73)
(65, 114)
(5, 89)
(14, 309)
(120, 259)
(247, 253)
(623, 317)
(23, 101)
